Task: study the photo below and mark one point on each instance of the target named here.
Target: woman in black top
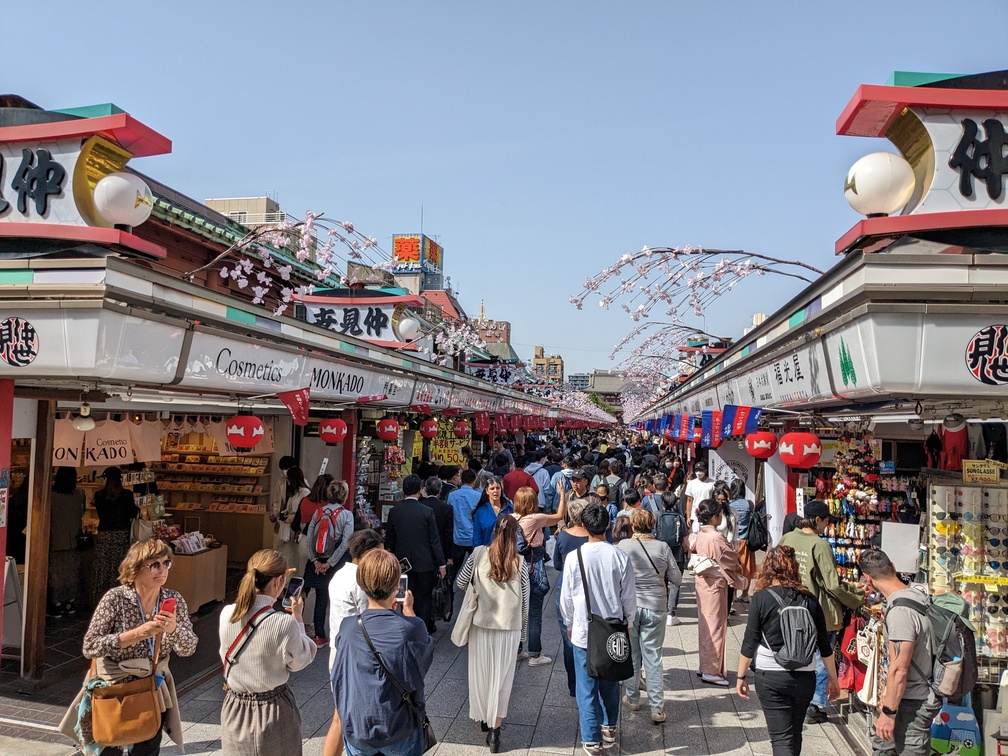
(784, 694)
(116, 512)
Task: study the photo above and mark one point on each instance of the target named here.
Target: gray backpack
(799, 632)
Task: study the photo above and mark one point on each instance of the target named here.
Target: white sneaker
(522, 655)
(540, 661)
(657, 717)
(671, 621)
(714, 680)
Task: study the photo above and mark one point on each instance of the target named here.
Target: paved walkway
(542, 717)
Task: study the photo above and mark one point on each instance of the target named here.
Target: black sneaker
(56, 612)
(815, 715)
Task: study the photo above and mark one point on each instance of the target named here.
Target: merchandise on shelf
(235, 484)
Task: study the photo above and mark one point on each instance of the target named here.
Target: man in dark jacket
(443, 514)
(412, 533)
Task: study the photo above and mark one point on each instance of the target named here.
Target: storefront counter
(199, 577)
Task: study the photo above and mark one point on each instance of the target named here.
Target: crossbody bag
(242, 639)
(430, 739)
(608, 649)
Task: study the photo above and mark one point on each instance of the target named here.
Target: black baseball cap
(817, 508)
(579, 475)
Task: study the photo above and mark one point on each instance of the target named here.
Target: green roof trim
(26, 276)
(347, 347)
(917, 79)
(240, 316)
(745, 351)
(92, 111)
(797, 319)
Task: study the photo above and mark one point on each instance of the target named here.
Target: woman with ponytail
(260, 647)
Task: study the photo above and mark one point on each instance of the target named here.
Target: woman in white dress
(500, 623)
(283, 538)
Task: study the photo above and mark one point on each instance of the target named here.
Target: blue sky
(542, 139)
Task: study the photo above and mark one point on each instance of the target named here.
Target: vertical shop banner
(446, 446)
(297, 403)
(146, 438)
(741, 417)
(716, 437)
(109, 443)
(67, 444)
(728, 420)
(752, 419)
(706, 428)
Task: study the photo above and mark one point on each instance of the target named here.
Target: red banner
(741, 415)
(716, 437)
(297, 402)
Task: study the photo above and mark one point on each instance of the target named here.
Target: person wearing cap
(578, 490)
(818, 569)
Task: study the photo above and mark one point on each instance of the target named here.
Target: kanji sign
(373, 323)
(987, 355)
(19, 342)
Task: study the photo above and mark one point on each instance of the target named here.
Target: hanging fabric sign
(67, 443)
(108, 444)
(297, 402)
(146, 438)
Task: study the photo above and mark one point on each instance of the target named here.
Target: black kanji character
(797, 369)
(983, 158)
(18, 342)
(987, 355)
(37, 179)
(325, 317)
(376, 321)
(351, 322)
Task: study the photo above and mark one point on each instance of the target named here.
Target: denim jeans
(784, 697)
(568, 648)
(597, 700)
(673, 598)
(535, 624)
(321, 585)
(912, 731)
(409, 746)
(646, 639)
(821, 676)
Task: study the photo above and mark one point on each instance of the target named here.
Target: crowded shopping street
(509, 462)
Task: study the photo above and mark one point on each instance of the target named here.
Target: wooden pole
(6, 428)
(37, 558)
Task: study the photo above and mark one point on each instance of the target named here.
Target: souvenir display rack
(235, 484)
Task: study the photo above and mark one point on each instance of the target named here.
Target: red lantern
(761, 445)
(482, 423)
(332, 431)
(460, 428)
(697, 435)
(387, 429)
(244, 431)
(516, 423)
(801, 450)
(429, 428)
(501, 421)
(549, 422)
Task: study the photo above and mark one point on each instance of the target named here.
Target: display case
(227, 497)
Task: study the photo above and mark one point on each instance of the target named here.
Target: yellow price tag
(981, 579)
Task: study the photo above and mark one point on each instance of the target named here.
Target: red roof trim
(874, 106)
(122, 128)
(905, 224)
(106, 236)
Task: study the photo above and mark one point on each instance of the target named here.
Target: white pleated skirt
(492, 659)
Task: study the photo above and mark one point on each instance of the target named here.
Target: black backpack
(757, 537)
(954, 672)
(671, 528)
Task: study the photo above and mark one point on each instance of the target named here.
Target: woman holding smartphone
(259, 714)
(134, 631)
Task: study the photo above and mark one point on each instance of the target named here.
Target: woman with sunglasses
(133, 623)
(491, 505)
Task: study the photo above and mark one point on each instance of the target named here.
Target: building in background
(418, 263)
(548, 369)
(578, 381)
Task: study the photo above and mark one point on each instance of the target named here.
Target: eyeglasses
(950, 515)
(158, 565)
(970, 516)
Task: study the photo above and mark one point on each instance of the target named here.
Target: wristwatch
(888, 712)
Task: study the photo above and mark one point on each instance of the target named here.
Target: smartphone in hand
(401, 593)
(168, 605)
(293, 591)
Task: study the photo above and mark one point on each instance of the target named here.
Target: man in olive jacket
(818, 569)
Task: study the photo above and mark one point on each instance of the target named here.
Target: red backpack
(327, 538)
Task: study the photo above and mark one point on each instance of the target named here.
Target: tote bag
(608, 641)
(463, 623)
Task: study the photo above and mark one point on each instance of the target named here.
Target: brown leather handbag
(129, 712)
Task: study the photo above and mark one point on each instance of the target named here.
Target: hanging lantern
(761, 445)
(697, 435)
(460, 428)
(801, 450)
(387, 429)
(501, 421)
(244, 431)
(332, 431)
(549, 422)
(481, 423)
(429, 428)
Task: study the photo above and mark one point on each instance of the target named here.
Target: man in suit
(443, 514)
(412, 533)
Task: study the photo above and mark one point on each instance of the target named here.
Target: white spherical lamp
(879, 184)
(123, 199)
(409, 328)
